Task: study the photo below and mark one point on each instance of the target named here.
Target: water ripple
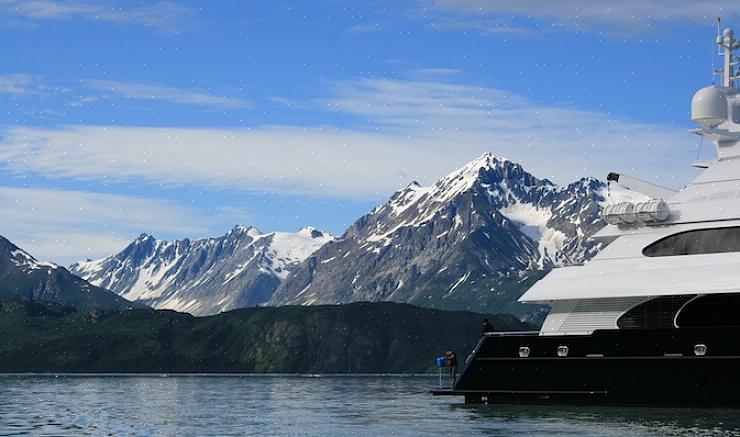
(252, 405)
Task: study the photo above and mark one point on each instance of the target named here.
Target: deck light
(700, 350)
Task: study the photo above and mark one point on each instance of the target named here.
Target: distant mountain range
(23, 277)
(240, 269)
(474, 240)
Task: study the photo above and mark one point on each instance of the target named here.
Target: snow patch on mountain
(21, 258)
(533, 222)
(286, 249)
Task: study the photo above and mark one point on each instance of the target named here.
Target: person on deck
(452, 362)
(487, 327)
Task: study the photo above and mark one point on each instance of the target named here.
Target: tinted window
(711, 310)
(656, 313)
(696, 242)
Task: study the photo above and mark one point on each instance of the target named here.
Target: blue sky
(185, 118)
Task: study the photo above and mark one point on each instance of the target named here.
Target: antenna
(715, 73)
(719, 36)
(727, 44)
(718, 45)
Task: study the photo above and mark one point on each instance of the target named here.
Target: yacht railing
(535, 333)
(511, 333)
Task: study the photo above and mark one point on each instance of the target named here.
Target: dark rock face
(24, 277)
(240, 269)
(484, 233)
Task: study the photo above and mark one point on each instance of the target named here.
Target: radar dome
(709, 107)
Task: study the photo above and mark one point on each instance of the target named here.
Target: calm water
(309, 406)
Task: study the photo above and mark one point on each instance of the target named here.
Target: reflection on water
(309, 406)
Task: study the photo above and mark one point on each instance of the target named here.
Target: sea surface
(251, 405)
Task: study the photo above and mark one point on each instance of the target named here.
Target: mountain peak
(487, 161)
(144, 238)
(498, 178)
(487, 170)
(490, 159)
(310, 231)
(483, 164)
(248, 230)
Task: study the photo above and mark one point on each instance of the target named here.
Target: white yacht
(654, 318)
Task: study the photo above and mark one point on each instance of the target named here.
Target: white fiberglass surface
(670, 275)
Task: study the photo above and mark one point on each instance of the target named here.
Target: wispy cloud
(65, 226)
(404, 130)
(162, 15)
(18, 84)
(624, 16)
(92, 91)
(143, 91)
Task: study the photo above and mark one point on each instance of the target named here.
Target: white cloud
(145, 91)
(65, 226)
(624, 16)
(163, 15)
(405, 130)
(283, 159)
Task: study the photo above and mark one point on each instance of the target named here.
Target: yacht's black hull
(638, 366)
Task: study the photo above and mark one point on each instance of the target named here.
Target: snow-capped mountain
(24, 277)
(240, 269)
(483, 233)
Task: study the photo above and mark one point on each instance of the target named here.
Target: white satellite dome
(709, 107)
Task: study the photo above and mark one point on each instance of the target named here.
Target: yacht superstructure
(654, 318)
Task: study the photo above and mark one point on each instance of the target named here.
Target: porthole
(700, 350)
(562, 351)
(523, 352)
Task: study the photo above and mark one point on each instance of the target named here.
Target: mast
(729, 44)
(717, 108)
